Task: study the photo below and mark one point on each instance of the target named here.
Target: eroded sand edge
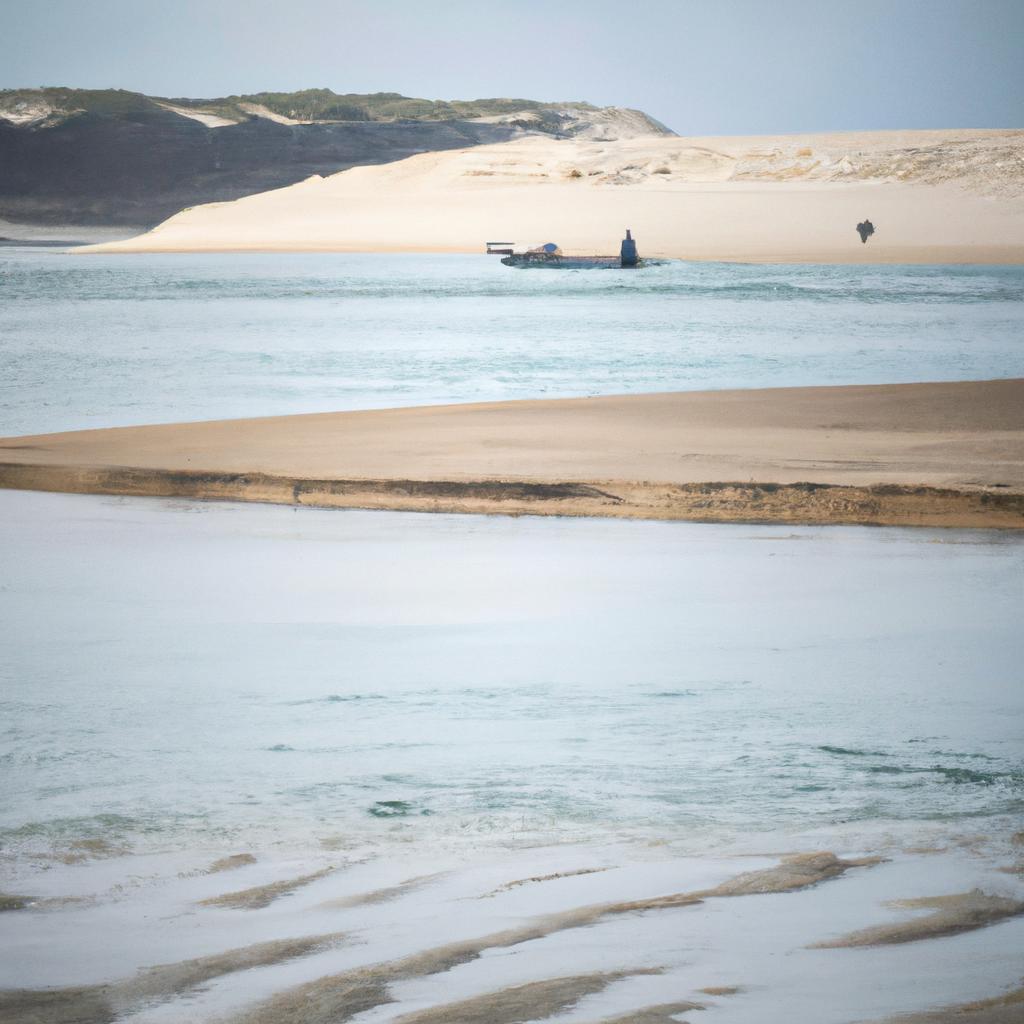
(943, 454)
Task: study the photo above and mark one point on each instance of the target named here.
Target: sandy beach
(947, 454)
(396, 632)
(934, 197)
(511, 947)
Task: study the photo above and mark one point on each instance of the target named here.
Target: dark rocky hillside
(120, 158)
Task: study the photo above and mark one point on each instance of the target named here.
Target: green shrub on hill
(327, 105)
(93, 101)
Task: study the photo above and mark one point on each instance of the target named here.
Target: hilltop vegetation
(54, 104)
(307, 106)
(325, 105)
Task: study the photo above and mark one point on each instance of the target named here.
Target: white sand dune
(934, 196)
(260, 110)
(204, 117)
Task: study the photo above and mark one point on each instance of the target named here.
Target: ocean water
(252, 669)
(179, 674)
(423, 729)
(92, 341)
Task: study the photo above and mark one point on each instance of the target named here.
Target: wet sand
(263, 895)
(936, 454)
(1002, 1009)
(950, 915)
(104, 1003)
(436, 956)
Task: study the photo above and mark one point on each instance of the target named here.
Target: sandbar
(940, 454)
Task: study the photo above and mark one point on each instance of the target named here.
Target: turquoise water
(180, 676)
(88, 341)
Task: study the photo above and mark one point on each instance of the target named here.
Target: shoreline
(799, 504)
(943, 454)
(933, 255)
(528, 905)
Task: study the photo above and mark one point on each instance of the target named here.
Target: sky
(703, 67)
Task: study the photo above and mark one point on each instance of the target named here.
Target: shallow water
(433, 707)
(91, 341)
(175, 673)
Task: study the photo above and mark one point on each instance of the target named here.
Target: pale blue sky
(707, 67)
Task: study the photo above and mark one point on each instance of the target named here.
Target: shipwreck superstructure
(550, 255)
